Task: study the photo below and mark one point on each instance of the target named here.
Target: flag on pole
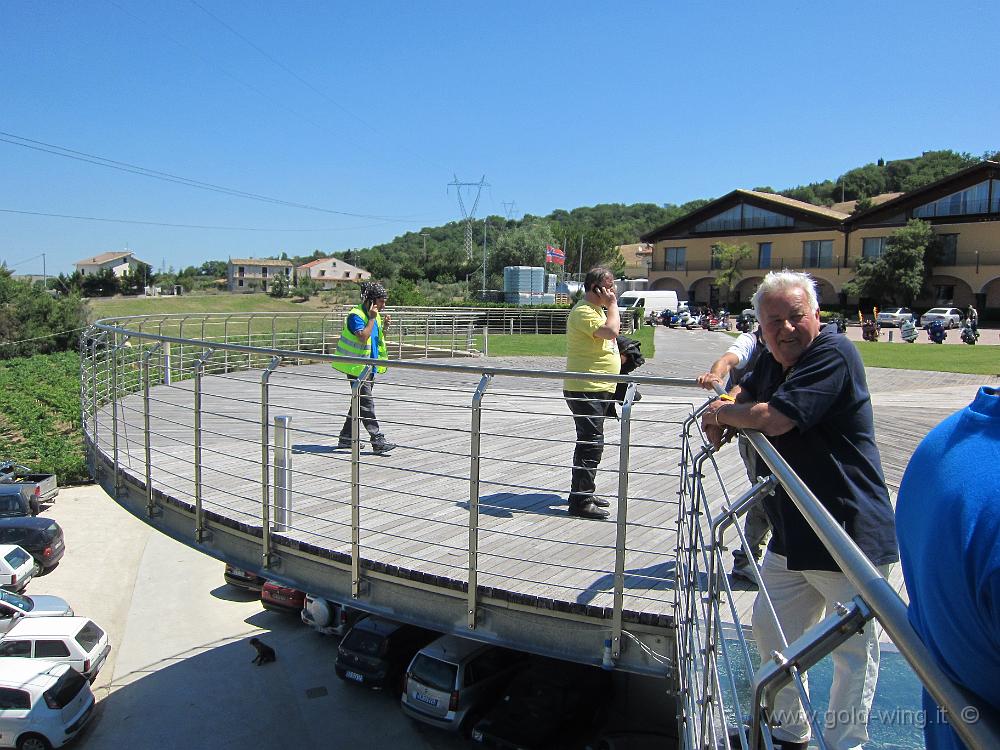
(555, 255)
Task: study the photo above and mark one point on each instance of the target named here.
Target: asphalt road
(179, 674)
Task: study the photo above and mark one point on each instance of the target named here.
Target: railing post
(199, 519)
(486, 340)
(475, 439)
(250, 342)
(621, 523)
(265, 455)
(116, 347)
(356, 480)
(225, 338)
(147, 440)
(454, 333)
(282, 473)
(167, 377)
(94, 400)
(298, 338)
(427, 336)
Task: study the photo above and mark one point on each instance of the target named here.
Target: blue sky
(371, 109)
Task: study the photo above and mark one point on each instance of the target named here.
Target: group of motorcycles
(684, 318)
(936, 331)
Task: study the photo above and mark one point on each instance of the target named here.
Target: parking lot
(180, 672)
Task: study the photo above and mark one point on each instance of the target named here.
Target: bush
(35, 321)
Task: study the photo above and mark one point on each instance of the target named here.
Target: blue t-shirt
(356, 323)
(832, 449)
(948, 523)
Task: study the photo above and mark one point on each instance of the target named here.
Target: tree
(34, 321)
(305, 287)
(728, 258)
(900, 273)
(103, 284)
(214, 268)
(279, 286)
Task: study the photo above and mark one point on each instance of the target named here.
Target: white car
(76, 641)
(14, 606)
(44, 704)
(895, 316)
(951, 317)
(17, 567)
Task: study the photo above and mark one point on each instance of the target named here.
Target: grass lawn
(975, 360)
(547, 345)
(114, 307)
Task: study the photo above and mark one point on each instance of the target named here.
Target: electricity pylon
(468, 215)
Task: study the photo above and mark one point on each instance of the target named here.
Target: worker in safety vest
(364, 336)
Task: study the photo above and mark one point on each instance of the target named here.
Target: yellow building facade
(963, 210)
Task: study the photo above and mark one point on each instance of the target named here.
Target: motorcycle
(908, 332)
(841, 322)
(969, 334)
(936, 332)
(869, 330)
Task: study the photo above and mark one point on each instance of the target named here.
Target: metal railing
(711, 706)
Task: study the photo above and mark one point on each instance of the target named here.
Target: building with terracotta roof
(244, 275)
(118, 263)
(963, 210)
(329, 272)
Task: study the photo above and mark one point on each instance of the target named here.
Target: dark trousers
(367, 410)
(589, 411)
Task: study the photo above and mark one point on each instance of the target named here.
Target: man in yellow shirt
(590, 347)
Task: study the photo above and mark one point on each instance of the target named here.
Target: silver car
(951, 317)
(15, 606)
(895, 316)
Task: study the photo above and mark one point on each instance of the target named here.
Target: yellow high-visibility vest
(352, 346)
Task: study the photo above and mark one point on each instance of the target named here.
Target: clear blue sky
(371, 108)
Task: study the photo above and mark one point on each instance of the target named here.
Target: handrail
(886, 605)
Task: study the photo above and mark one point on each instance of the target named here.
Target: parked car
(451, 681)
(376, 651)
(280, 598)
(243, 579)
(17, 567)
(42, 537)
(43, 704)
(950, 317)
(329, 617)
(76, 641)
(14, 606)
(895, 316)
(43, 488)
(13, 503)
(551, 704)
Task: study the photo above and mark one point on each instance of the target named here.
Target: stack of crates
(527, 285)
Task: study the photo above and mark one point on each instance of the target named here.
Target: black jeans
(589, 408)
(367, 410)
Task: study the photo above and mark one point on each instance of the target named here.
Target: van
(42, 704)
(451, 682)
(17, 567)
(76, 641)
(653, 300)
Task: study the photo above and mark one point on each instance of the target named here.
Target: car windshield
(434, 673)
(364, 642)
(937, 311)
(89, 636)
(21, 602)
(16, 558)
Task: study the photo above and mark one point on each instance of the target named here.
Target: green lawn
(115, 307)
(545, 345)
(975, 360)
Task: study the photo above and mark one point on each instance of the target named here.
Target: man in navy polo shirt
(808, 394)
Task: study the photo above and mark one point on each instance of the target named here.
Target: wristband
(727, 397)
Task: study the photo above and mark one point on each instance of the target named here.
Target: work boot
(381, 446)
(344, 443)
(588, 509)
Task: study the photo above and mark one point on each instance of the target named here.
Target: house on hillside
(328, 272)
(963, 209)
(118, 263)
(253, 274)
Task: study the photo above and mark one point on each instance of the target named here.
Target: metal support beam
(150, 506)
(356, 480)
(621, 523)
(199, 517)
(265, 457)
(474, 455)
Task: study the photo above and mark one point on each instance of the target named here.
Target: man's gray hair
(783, 281)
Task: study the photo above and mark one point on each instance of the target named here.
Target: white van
(653, 300)
(42, 704)
(76, 641)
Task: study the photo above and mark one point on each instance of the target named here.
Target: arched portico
(670, 285)
(989, 295)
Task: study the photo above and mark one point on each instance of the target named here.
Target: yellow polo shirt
(585, 353)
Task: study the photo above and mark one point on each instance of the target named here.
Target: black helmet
(372, 290)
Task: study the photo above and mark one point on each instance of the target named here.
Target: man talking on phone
(364, 336)
(590, 347)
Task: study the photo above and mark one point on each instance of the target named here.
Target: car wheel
(33, 742)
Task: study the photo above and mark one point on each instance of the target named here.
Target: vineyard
(40, 414)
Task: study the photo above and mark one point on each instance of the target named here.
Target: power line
(183, 226)
(101, 161)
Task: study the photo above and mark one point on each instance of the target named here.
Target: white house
(119, 263)
(328, 272)
(253, 274)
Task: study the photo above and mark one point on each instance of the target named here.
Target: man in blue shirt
(948, 526)
(809, 395)
(363, 335)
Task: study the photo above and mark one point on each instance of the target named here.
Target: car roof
(27, 522)
(31, 626)
(5, 549)
(453, 648)
(20, 672)
(380, 625)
